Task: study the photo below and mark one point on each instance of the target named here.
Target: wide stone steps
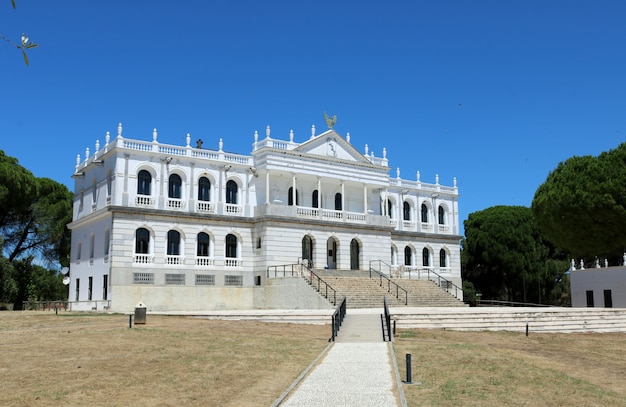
(361, 291)
(549, 319)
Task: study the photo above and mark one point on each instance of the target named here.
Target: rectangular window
(205, 279)
(90, 288)
(590, 299)
(608, 299)
(175, 279)
(143, 278)
(233, 280)
(77, 288)
(105, 286)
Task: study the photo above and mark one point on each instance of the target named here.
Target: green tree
(40, 227)
(581, 207)
(505, 256)
(34, 213)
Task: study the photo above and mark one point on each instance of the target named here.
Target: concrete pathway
(357, 370)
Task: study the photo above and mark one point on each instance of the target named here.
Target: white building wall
(597, 280)
(106, 198)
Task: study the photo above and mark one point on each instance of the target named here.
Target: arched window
(204, 243)
(290, 197)
(408, 256)
(142, 241)
(231, 246)
(144, 180)
(204, 189)
(231, 192)
(425, 257)
(390, 209)
(406, 211)
(175, 184)
(442, 216)
(315, 202)
(338, 206)
(173, 243)
(443, 258)
(424, 213)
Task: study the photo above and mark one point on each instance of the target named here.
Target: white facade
(599, 287)
(187, 228)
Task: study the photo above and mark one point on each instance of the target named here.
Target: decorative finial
(188, 139)
(348, 137)
(291, 135)
(398, 172)
(78, 162)
(154, 135)
(437, 179)
(384, 152)
(418, 176)
(221, 144)
(107, 138)
(312, 131)
(454, 180)
(119, 129)
(86, 153)
(330, 121)
(267, 131)
(367, 149)
(256, 136)
(97, 145)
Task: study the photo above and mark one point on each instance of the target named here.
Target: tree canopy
(581, 207)
(506, 257)
(34, 213)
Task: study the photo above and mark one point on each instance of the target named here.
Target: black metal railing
(442, 282)
(338, 316)
(305, 271)
(385, 320)
(285, 270)
(374, 273)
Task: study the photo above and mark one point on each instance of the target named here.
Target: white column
(267, 187)
(365, 199)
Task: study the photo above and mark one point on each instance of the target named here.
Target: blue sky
(494, 93)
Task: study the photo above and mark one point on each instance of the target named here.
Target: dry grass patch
(77, 359)
(510, 369)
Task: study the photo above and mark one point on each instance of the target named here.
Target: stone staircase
(515, 319)
(361, 291)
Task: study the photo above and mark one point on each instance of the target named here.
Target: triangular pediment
(331, 144)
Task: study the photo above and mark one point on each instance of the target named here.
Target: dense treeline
(34, 237)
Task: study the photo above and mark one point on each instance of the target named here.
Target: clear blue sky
(495, 93)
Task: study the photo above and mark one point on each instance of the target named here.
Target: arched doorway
(307, 249)
(355, 252)
(331, 253)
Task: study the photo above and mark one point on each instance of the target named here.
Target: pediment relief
(331, 144)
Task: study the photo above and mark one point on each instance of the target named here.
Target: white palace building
(186, 228)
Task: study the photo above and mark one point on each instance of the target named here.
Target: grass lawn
(84, 359)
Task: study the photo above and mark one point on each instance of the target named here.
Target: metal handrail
(389, 282)
(297, 270)
(386, 321)
(337, 319)
(441, 282)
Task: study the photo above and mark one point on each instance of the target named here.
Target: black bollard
(408, 368)
(130, 321)
(526, 328)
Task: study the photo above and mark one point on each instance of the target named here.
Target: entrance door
(354, 255)
(307, 250)
(331, 253)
